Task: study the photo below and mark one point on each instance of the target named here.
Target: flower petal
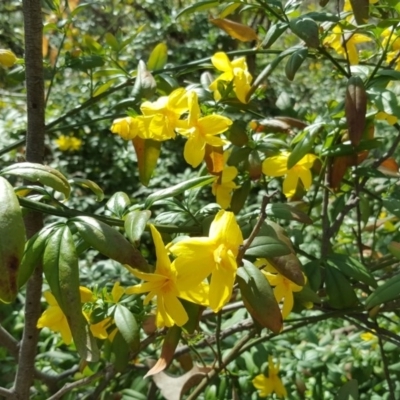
(275, 166)
(194, 150)
(221, 288)
(221, 62)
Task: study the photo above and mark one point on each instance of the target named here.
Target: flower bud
(7, 58)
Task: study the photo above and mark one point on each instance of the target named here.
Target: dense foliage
(220, 200)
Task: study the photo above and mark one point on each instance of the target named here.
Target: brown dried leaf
(214, 159)
(236, 30)
(173, 388)
(355, 109)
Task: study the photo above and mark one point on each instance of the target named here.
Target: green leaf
(120, 349)
(158, 57)
(12, 242)
(118, 203)
(394, 248)
(340, 292)
(386, 101)
(239, 197)
(287, 212)
(109, 241)
(145, 84)
(265, 246)
(88, 184)
(178, 189)
(68, 275)
(111, 41)
(313, 272)
(258, 297)
(34, 249)
(387, 292)
(135, 224)
(344, 149)
(392, 205)
(274, 33)
(294, 63)
(147, 153)
(301, 149)
(352, 268)
(199, 6)
(349, 391)
(127, 325)
(40, 173)
(306, 29)
(61, 269)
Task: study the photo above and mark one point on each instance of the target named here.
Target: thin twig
(8, 394)
(81, 382)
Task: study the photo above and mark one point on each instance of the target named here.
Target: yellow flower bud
(7, 58)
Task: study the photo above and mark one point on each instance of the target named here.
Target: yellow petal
(305, 176)
(221, 288)
(275, 166)
(221, 62)
(175, 309)
(117, 292)
(194, 109)
(86, 294)
(194, 150)
(163, 264)
(198, 294)
(225, 229)
(290, 184)
(214, 124)
(242, 86)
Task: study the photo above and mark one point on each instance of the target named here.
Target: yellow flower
(128, 127)
(223, 185)
(341, 42)
(215, 255)
(271, 383)
(347, 7)
(7, 58)
(166, 112)
(368, 336)
(277, 166)
(68, 143)
(99, 330)
(390, 119)
(284, 287)
(168, 283)
(394, 39)
(54, 318)
(235, 71)
(201, 131)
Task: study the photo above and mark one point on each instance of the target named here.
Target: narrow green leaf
(68, 275)
(118, 203)
(287, 212)
(274, 33)
(158, 57)
(197, 7)
(88, 184)
(352, 268)
(34, 249)
(40, 173)
(127, 325)
(265, 246)
(147, 153)
(387, 292)
(294, 63)
(240, 196)
(178, 189)
(135, 224)
(109, 242)
(340, 292)
(12, 242)
(258, 297)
